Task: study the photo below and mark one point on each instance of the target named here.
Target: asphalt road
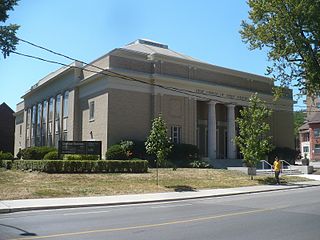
(292, 215)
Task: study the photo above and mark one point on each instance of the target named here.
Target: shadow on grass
(182, 188)
(272, 181)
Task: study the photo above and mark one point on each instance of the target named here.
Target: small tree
(158, 142)
(252, 140)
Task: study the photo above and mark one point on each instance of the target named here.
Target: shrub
(139, 151)
(116, 152)
(6, 156)
(82, 166)
(127, 147)
(36, 153)
(199, 164)
(51, 156)
(183, 154)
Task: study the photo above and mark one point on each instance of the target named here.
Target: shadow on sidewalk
(182, 188)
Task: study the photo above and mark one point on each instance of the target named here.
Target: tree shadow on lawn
(272, 181)
(182, 188)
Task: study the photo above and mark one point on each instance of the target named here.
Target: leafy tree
(8, 39)
(299, 118)
(158, 142)
(252, 140)
(290, 29)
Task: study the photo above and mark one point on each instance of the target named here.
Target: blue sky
(205, 29)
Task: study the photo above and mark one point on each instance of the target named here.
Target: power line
(183, 91)
(108, 72)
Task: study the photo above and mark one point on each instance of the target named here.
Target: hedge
(79, 166)
(7, 164)
(80, 157)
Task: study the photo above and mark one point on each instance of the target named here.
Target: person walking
(277, 169)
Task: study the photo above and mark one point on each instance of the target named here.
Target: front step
(284, 172)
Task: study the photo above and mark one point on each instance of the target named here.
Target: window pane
(317, 148)
(50, 109)
(44, 112)
(91, 110)
(176, 134)
(33, 125)
(39, 113)
(65, 104)
(58, 106)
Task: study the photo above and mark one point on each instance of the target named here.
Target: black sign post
(80, 147)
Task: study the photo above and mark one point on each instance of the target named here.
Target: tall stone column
(212, 128)
(231, 132)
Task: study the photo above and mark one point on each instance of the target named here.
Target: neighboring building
(309, 132)
(6, 128)
(198, 101)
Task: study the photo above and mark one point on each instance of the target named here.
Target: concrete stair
(284, 172)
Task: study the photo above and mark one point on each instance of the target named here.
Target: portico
(216, 129)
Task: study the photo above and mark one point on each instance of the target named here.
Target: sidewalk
(8, 206)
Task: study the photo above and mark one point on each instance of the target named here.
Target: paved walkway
(54, 203)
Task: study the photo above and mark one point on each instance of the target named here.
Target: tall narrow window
(39, 118)
(316, 132)
(65, 115)
(33, 125)
(317, 148)
(176, 134)
(91, 110)
(50, 122)
(44, 123)
(65, 104)
(28, 127)
(57, 120)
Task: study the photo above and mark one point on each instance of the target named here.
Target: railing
(264, 163)
(289, 165)
(268, 164)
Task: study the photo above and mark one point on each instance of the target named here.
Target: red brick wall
(314, 140)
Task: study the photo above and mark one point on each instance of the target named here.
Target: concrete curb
(60, 203)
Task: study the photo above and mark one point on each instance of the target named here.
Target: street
(291, 214)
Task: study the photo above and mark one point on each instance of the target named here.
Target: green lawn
(22, 185)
